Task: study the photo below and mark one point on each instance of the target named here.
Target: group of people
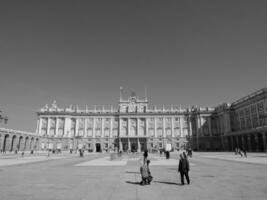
(183, 168)
(241, 152)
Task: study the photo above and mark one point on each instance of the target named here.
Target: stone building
(243, 124)
(133, 127)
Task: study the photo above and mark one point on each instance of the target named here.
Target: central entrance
(134, 147)
(98, 147)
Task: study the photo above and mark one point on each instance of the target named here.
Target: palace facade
(132, 127)
(135, 126)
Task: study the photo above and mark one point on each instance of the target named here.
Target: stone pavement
(72, 177)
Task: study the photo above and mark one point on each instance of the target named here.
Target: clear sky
(80, 52)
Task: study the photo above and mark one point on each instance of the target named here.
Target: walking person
(183, 168)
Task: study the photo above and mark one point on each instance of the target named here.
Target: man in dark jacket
(184, 169)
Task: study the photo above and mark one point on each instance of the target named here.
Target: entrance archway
(13, 143)
(20, 143)
(5, 143)
(98, 147)
(133, 147)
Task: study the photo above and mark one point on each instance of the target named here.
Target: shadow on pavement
(135, 183)
(165, 182)
(132, 172)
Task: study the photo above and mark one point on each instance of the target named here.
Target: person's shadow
(134, 183)
(166, 182)
(163, 182)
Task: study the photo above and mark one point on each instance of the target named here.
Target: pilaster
(111, 128)
(138, 145)
(164, 132)
(146, 128)
(85, 128)
(48, 126)
(181, 121)
(94, 127)
(102, 127)
(137, 127)
(172, 126)
(56, 128)
(40, 126)
(76, 127)
(65, 127)
(155, 126)
(128, 127)
(129, 145)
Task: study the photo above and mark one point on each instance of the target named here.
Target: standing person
(145, 156)
(144, 174)
(184, 169)
(150, 177)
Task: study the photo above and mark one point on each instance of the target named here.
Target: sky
(184, 52)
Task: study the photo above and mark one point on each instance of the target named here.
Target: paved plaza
(95, 176)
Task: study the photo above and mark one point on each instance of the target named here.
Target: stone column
(56, 128)
(172, 128)
(93, 127)
(102, 127)
(85, 128)
(48, 126)
(76, 127)
(128, 127)
(181, 126)
(111, 128)
(120, 144)
(65, 127)
(120, 123)
(198, 126)
(129, 145)
(155, 127)
(138, 145)
(137, 127)
(190, 128)
(146, 128)
(40, 126)
(164, 132)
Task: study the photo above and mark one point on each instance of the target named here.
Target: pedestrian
(245, 152)
(240, 152)
(183, 168)
(150, 177)
(144, 174)
(167, 153)
(145, 156)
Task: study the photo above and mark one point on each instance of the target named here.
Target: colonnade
(11, 141)
(111, 129)
(256, 142)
